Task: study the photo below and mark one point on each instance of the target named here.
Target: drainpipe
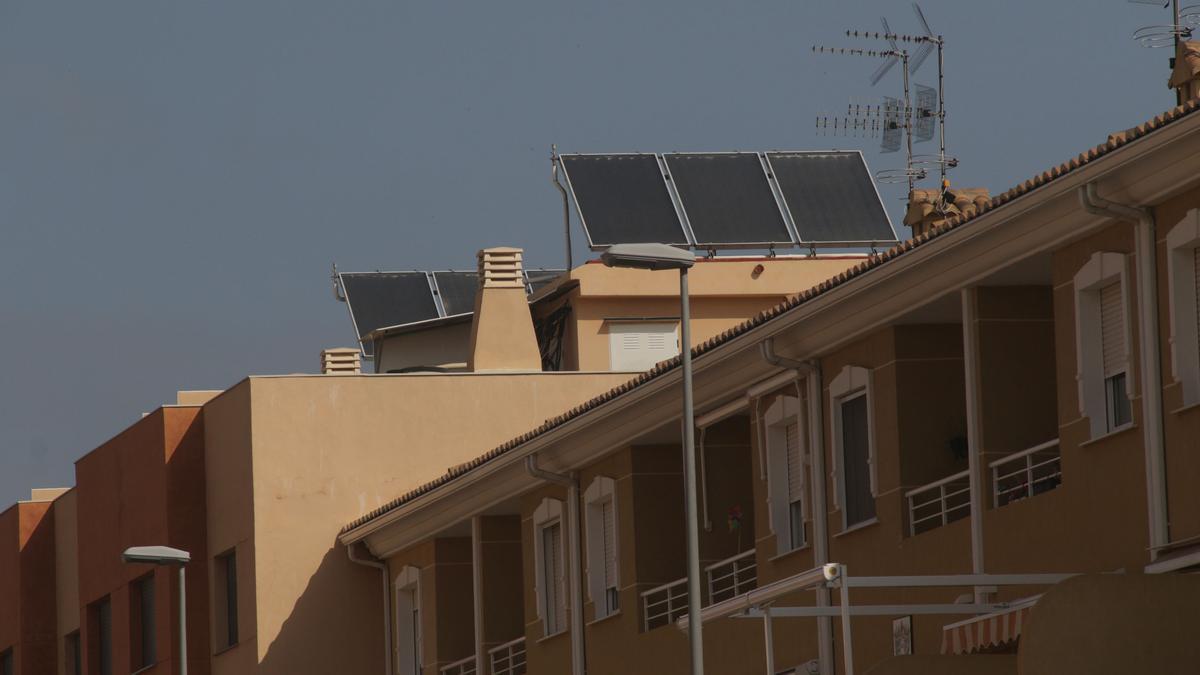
(816, 431)
(571, 482)
(387, 609)
(816, 442)
(970, 314)
(1148, 335)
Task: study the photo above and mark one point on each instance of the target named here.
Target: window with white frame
(639, 345)
(549, 566)
(600, 500)
(786, 459)
(1183, 273)
(854, 462)
(408, 621)
(1102, 341)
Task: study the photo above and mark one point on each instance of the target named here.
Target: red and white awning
(988, 630)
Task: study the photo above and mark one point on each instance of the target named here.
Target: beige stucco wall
(66, 572)
(299, 457)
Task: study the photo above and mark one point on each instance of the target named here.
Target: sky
(176, 179)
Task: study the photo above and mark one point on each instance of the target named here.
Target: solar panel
(379, 299)
(457, 291)
(535, 280)
(622, 198)
(727, 199)
(831, 197)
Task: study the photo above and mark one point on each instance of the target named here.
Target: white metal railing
(940, 502)
(508, 658)
(1026, 473)
(732, 576)
(463, 667)
(662, 605)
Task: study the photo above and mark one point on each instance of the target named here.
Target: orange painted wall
(27, 620)
(144, 487)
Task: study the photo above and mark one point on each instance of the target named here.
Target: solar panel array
(728, 199)
(382, 299)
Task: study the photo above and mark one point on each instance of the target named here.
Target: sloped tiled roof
(1115, 141)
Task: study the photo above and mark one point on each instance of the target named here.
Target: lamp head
(648, 257)
(155, 555)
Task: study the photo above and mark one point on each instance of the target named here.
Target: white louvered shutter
(1196, 280)
(640, 345)
(795, 463)
(607, 518)
(1112, 329)
(556, 600)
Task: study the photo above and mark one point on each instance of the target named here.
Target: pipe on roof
(571, 482)
(1149, 337)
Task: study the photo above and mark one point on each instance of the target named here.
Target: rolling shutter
(610, 544)
(795, 463)
(556, 600)
(1112, 329)
(1196, 280)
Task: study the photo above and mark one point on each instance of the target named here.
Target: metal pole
(941, 119)
(847, 634)
(769, 636)
(182, 621)
(695, 634)
(907, 123)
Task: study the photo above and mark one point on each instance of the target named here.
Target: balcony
(1027, 473)
(508, 658)
(662, 605)
(731, 577)
(463, 667)
(938, 503)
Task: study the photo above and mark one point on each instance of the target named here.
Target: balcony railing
(1026, 473)
(934, 505)
(508, 658)
(731, 577)
(662, 605)
(463, 667)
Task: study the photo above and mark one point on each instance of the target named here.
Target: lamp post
(664, 257)
(165, 555)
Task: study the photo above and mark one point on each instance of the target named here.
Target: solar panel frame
(768, 180)
(689, 238)
(845, 243)
(365, 347)
(537, 278)
(442, 294)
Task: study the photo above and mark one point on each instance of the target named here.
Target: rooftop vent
(502, 336)
(340, 361)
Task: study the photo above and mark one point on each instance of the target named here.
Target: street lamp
(165, 555)
(664, 257)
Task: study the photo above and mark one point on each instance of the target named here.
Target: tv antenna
(894, 116)
(1184, 21)
(930, 108)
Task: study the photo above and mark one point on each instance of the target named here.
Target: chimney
(1185, 75)
(929, 208)
(340, 361)
(502, 336)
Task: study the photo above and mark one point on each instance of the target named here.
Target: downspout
(970, 314)
(571, 482)
(816, 442)
(816, 430)
(387, 608)
(1149, 337)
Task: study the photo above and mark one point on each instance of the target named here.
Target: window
(1102, 343)
(786, 457)
(601, 514)
(225, 599)
(1183, 274)
(408, 621)
(854, 446)
(6, 662)
(72, 654)
(100, 642)
(639, 345)
(548, 557)
(142, 646)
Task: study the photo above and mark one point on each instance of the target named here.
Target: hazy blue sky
(177, 178)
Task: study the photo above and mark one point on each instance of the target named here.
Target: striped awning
(988, 630)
